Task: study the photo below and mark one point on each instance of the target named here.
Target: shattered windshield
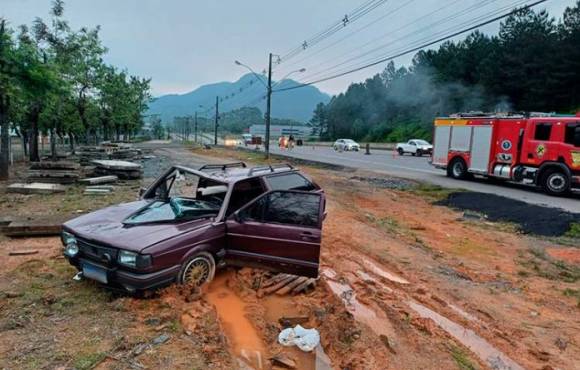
(175, 209)
(182, 195)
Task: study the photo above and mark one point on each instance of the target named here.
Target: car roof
(233, 172)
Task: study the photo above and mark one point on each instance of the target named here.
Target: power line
(350, 18)
(428, 27)
(390, 13)
(495, 19)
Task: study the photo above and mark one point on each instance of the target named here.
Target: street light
(269, 97)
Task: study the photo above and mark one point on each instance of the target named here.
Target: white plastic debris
(78, 277)
(305, 339)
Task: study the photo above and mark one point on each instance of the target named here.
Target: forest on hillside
(531, 65)
(53, 81)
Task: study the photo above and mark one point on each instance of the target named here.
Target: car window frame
(285, 173)
(321, 215)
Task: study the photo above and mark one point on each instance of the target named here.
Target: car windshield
(173, 210)
(422, 142)
(349, 141)
(182, 195)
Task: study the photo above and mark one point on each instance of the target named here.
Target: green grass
(462, 359)
(432, 192)
(88, 361)
(574, 231)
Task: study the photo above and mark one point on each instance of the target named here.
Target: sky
(183, 44)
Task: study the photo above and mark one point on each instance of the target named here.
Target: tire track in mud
(376, 320)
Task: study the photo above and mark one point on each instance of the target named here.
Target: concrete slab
(117, 165)
(32, 228)
(100, 180)
(36, 188)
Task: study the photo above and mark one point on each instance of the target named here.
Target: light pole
(268, 98)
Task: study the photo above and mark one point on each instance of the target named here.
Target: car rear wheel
(457, 169)
(198, 270)
(554, 181)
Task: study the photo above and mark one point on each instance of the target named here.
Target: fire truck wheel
(555, 182)
(457, 169)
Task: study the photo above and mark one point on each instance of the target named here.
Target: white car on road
(416, 147)
(346, 145)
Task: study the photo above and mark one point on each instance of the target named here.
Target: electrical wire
(414, 49)
(428, 27)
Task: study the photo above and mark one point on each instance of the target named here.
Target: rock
(13, 294)
(153, 321)
(160, 339)
(561, 343)
(287, 322)
(283, 360)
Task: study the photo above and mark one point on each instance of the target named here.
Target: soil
(404, 284)
(532, 219)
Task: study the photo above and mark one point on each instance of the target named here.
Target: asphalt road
(417, 168)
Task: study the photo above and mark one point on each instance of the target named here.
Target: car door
(280, 230)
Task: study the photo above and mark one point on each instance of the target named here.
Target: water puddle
(245, 341)
(466, 315)
(369, 279)
(362, 313)
(381, 272)
(476, 344)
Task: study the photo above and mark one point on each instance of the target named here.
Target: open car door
(281, 231)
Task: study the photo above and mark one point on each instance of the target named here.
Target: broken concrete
(32, 228)
(35, 188)
(100, 180)
(23, 252)
(91, 191)
(117, 165)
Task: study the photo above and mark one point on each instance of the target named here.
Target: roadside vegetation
(519, 69)
(53, 81)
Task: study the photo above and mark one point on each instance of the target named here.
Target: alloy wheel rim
(197, 272)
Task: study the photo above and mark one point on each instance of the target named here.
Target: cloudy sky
(182, 44)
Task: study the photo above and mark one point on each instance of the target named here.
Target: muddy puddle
(246, 344)
(361, 312)
(476, 344)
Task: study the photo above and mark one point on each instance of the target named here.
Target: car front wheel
(198, 270)
(419, 153)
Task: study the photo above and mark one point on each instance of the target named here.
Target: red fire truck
(536, 149)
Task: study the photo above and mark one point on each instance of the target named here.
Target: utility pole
(217, 112)
(268, 105)
(195, 127)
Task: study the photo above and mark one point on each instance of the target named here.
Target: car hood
(105, 226)
(425, 146)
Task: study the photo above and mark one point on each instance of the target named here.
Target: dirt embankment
(404, 284)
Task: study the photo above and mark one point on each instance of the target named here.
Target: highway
(417, 168)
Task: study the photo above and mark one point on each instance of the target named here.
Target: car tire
(400, 151)
(198, 270)
(555, 181)
(419, 153)
(335, 148)
(457, 169)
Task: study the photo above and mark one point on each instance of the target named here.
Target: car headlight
(135, 260)
(71, 247)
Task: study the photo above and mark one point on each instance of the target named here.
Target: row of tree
(532, 64)
(53, 81)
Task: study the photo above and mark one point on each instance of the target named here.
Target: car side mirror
(238, 218)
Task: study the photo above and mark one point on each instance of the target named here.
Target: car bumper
(115, 277)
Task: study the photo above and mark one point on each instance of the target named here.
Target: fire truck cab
(542, 150)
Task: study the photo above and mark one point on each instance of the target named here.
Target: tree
(7, 77)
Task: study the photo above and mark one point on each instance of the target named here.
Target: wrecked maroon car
(188, 222)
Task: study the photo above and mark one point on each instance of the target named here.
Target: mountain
(297, 104)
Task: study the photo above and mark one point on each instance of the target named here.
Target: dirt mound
(532, 219)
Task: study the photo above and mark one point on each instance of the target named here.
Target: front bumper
(116, 277)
